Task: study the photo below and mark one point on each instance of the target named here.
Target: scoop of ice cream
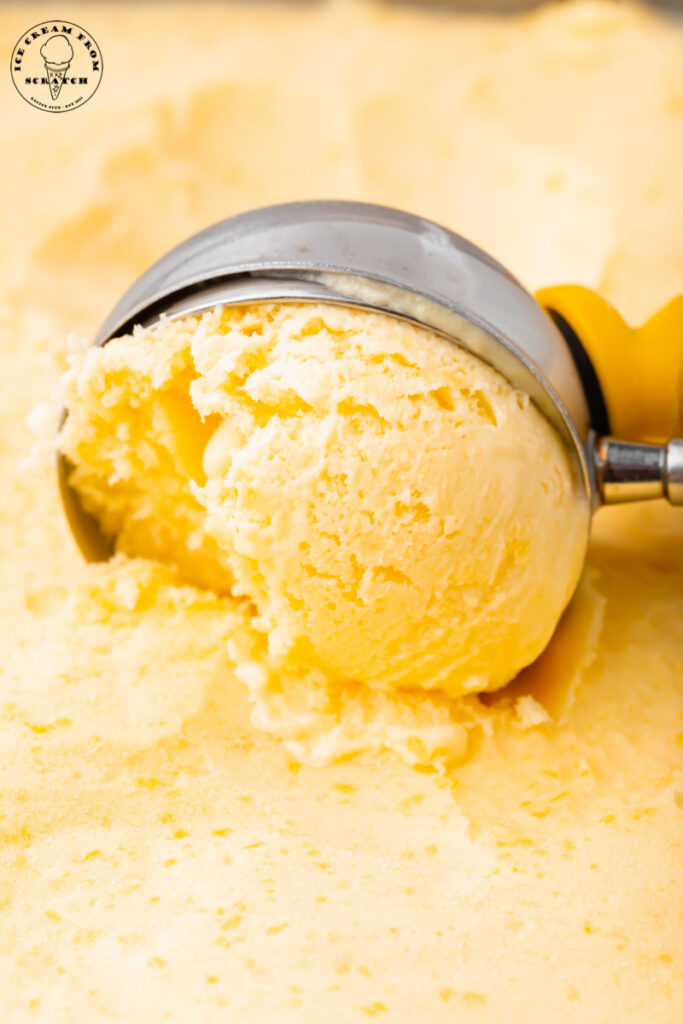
(57, 50)
(394, 510)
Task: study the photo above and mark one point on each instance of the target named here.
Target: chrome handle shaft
(625, 471)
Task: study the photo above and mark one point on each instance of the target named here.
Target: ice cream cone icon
(57, 53)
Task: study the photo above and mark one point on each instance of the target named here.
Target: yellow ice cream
(395, 511)
(161, 857)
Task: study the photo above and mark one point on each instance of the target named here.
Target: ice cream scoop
(583, 369)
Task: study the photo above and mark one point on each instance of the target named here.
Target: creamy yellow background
(161, 860)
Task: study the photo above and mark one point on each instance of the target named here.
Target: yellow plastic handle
(640, 369)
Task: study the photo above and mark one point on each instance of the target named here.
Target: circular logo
(56, 66)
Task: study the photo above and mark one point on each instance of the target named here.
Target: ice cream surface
(161, 857)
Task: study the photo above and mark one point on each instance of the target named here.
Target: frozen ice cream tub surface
(162, 855)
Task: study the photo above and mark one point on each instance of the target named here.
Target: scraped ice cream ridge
(505, 855)
(388, 506)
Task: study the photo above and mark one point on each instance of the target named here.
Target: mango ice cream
(287, 756)
(394, 512)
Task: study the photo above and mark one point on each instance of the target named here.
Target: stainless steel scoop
(385, 260)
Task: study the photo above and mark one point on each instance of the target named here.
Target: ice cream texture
(163, 858)
(394, 511)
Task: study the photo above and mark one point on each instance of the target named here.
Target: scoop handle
(634, 381)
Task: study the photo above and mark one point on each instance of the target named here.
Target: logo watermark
(56, 66)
